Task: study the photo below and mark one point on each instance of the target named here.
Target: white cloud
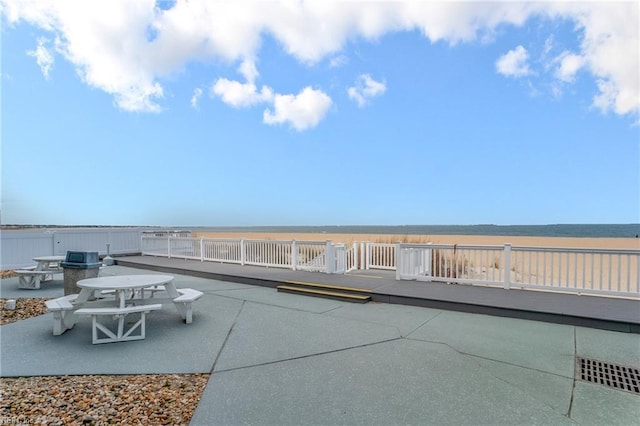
(197, 93)
(302, 111)
(249, 71)
(127, 48)
(105, 41)
(610, 47)
(607, 96)
(44, 57)
(365, 88)
(338, 61)
(240, 95)
(455, 22)
(514, 63)
(569, 65)
(548, 46)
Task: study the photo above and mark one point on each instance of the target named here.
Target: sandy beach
(605, 243)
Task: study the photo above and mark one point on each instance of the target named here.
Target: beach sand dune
(603, 243)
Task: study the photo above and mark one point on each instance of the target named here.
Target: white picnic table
(48, 262)
(118, 296)
(125, 285)
(46, 266)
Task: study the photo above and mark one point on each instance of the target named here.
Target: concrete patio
(278, 358)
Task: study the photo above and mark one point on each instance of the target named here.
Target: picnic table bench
(96, 299)
(187, 296)
(31, 277)
(121, 334)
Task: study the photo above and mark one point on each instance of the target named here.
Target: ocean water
(561, 230)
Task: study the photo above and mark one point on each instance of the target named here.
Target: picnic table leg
(63, 321)
(24, 282)
(58, 327)
(180, 307)
(29, 281)
(172, 291)
(69, 318)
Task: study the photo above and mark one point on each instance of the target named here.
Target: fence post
(355, 255)
(507, 266)
(294, 255)
(637, 275)
(399, 262)
(429, 261)
(169, 247)
(54, 246)
(201, 249)
(330, 257)
(243, 256)
(367, 254)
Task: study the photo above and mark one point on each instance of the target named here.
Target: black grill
(610, 375)
(81, 260)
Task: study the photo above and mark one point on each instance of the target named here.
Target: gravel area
(25, 308)
(159, 399)
(93, 400)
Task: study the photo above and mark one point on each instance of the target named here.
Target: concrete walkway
(280, 359)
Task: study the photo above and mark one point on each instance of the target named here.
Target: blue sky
(319, 113)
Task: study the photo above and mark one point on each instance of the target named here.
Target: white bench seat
(187, 296)
(30, 279)
(61, 303)
(120, 335)
(60, 307)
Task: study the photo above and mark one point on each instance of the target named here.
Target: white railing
(583, 270)
(185, 248)
(154, 246)
(593, 271)
(379, 256)
(296, 255)
(588, 271)
(224, 251)
(352, 258)
(312, 256)
(346, 258)
(276, 254)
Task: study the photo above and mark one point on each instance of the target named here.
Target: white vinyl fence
(291, 254)
(18, 247)
(378, 256)
(588, 271)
